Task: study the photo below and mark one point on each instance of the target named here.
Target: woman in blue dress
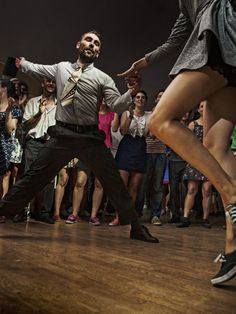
(205, 35)
(9, 116)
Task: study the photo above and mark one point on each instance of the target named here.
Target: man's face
(89, 47)
(49, 85)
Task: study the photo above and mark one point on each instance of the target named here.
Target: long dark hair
(10, 87)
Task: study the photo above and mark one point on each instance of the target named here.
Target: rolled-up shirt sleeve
(113, 99)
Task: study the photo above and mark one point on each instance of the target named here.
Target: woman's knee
(207, 189)
(159, 124)
(63, 180)
(80, 184)
(192, 189)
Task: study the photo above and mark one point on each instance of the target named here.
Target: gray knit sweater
(190, 34)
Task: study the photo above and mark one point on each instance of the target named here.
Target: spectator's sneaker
(71, 219)
(156, 221)
(2, 219)
(206, 223)
(115, 222)
(94, 221)
(227, 270)
(231, 208)
(56, 218)
(185, 223)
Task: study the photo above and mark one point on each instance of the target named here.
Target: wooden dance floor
(85, 269)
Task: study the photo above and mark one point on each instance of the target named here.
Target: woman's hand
(131, 111)
(135, 68)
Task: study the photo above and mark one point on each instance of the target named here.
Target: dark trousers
(177, 187)
(57, 152)
(43, 201)
(152, 184)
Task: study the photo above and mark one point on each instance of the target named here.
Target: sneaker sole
(231, 274)
(70, 222)
(94, 224)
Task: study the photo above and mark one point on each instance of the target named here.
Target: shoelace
(232, 212)
(220, 258)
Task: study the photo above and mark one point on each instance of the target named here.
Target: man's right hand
(134, 84)
(43, 105)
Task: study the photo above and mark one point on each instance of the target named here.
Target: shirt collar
(86, 66)
(54, 98)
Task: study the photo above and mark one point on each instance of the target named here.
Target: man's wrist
(133, 92)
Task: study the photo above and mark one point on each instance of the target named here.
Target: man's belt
(78, 128)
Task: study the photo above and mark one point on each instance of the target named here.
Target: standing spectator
(152, 183)
(177, 187)
(39, 115)
(131, 154)
(195, 179)
(10, 114)
(107, 120)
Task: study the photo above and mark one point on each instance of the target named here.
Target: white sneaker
(156, 221)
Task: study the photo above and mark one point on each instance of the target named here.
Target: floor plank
(85, 269)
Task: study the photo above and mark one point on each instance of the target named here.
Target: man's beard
(86, 59)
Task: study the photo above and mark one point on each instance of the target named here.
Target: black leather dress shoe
(174, 220)
(142, 234)
(44, 217)
(19, 217)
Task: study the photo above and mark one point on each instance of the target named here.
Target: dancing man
(80, 89)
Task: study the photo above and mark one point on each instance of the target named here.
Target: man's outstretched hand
(18, 62)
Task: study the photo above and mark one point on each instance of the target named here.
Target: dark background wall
(47, 31)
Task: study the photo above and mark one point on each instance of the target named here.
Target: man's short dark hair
(93, 32)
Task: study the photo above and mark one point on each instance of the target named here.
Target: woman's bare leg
(206, 198)
(6, 183)
(217, 136)
(190, 197)
(97, 198)
(186, 91)
(78, 191)
(63, 178)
